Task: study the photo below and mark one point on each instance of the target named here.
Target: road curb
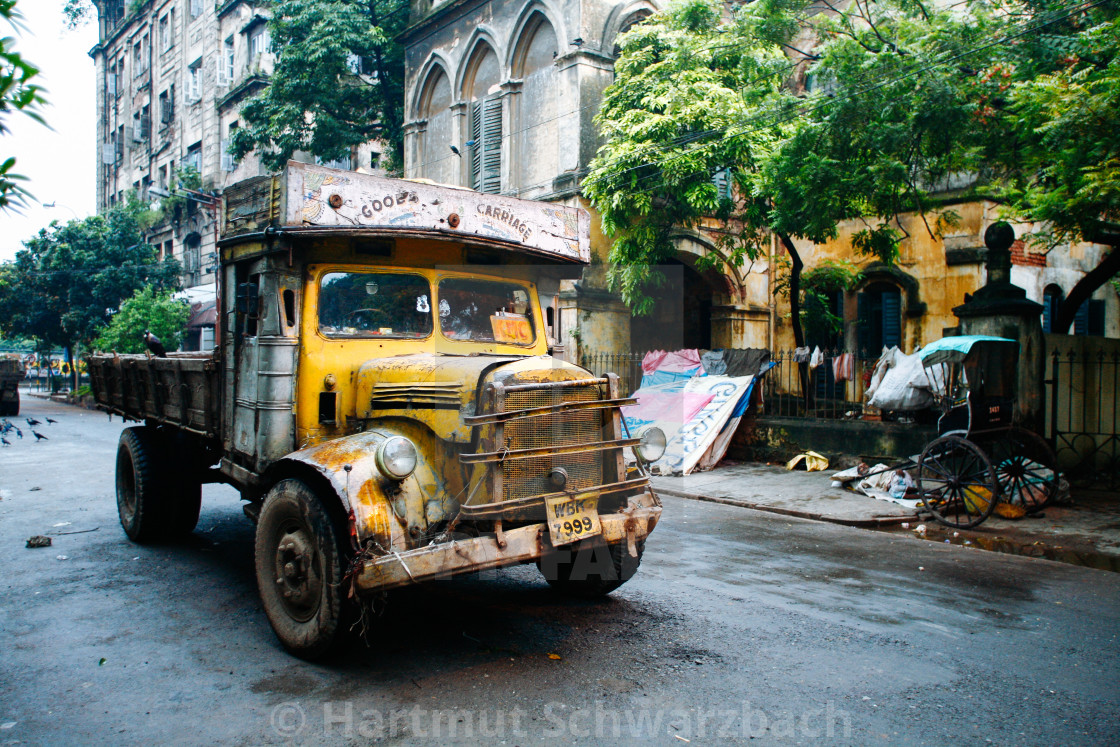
(882, 521)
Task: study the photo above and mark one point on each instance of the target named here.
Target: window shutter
(892, 318)
(108, 153)
(492, 146)
(221, 71)
(1081, 320)
(111, 84)
(228, 162)
(475, 152)
(863, 325)
(1096, 318)
(722, 180)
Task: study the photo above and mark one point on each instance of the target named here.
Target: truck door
(260, 364)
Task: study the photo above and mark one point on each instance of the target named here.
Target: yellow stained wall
(922, 256)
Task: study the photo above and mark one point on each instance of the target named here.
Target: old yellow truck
(383, 398)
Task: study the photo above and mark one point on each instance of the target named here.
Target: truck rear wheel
(155, 500)
(591, 569)
(141, 496)
(300, 565)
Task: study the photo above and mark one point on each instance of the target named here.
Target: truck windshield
(365, 304)
(485, 311)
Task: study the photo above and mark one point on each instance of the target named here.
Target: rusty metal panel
(526, 477)
(318, 196)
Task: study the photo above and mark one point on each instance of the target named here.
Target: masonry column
(1002, 309)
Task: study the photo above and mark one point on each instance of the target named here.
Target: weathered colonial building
(500, 97)
(171, 74)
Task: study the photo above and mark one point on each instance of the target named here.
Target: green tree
(72, 277)
(1053, 136)
(18, 93)
(147, 310)
(338, 82)
(900, 98)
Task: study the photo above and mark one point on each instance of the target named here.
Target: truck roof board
(322, 197)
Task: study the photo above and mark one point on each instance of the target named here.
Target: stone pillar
(1002, 309)
(740, 326)
(592, 321)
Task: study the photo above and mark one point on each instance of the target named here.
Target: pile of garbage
(698, 399)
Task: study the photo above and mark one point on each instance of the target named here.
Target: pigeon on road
(39, 436)
(51, 421)
(33, 422)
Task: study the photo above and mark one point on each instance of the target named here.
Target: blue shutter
(1081, 320)
(892, 318)
(863, 324)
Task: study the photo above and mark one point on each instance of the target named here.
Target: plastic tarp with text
(698, 416)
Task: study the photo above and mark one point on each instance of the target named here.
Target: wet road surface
(741, 627)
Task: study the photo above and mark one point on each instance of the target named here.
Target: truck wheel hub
(299, 584)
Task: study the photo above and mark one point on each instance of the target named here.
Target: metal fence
(834, 390)
(1081, 408)
(628, 366)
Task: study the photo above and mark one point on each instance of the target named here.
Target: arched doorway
(681, 315)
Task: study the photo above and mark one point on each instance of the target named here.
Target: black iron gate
(1081, 409)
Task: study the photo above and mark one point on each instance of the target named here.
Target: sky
(60, 162)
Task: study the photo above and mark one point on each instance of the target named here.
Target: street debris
(39, 541)
(554, 657)
(814, 462)
(76, 531)
(61, 557)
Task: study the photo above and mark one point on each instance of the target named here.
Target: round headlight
(652, 446)
(396, 457)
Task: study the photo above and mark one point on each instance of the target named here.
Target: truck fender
(395, 514)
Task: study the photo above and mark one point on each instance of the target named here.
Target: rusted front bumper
(514, 547)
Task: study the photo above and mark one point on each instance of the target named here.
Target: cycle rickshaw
(980, 457)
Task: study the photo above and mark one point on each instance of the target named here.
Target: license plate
(572, 519)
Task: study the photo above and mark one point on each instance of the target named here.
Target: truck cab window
(248, 305)
(485, 311)
(374, 305)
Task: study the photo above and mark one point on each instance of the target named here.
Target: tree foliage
(147, 310)
(338, 82)
(900, 99)
(18, 93)
(69, 280)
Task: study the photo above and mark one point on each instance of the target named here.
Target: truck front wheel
(590, 569)
(300, 566)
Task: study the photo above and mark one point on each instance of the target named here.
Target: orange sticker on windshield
(512, 328)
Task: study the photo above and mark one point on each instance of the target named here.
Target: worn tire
(184, 489)
(592, 569)
(300, 563)
(141, 492)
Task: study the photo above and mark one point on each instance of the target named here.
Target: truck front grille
(528, 477)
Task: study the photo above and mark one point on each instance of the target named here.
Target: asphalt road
(740, 627)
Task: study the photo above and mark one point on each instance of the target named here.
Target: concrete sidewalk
(771, 488)
(1084, 532)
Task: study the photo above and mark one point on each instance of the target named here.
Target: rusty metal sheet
(318, 196)
(521, 545)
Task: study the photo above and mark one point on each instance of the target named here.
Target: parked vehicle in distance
(12, 373)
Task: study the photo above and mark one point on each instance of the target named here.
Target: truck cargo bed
(180, 390)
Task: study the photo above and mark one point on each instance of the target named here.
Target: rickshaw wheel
(1026, 468)
(957, 482)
